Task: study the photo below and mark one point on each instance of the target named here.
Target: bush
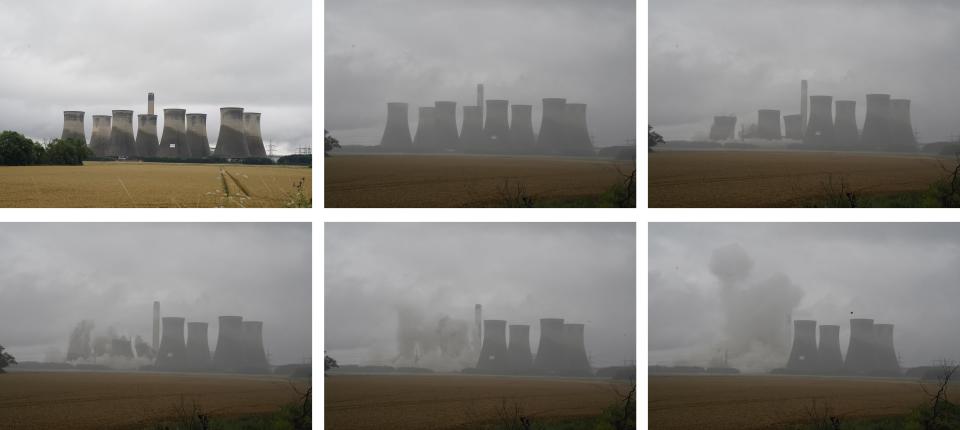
(66, 152)
(298, 159)
(17, 150)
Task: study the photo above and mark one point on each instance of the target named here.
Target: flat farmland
(461, 180)
(404, 402)
(105, 400)
(780, 178)
(133, 184)
(769, 401)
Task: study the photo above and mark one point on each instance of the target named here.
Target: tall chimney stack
(478, 320)
(156, 326)
(803, 107)
(480, 100)
(150, 104)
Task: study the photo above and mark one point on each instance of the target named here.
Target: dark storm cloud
(711, 58)
(101, 55)
(54, 275)
(519, 272)
(904, 274)
(419, 52)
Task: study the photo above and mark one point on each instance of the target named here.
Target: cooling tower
(100, 138)
(197, 142)
(577, 141)
(829, 358)
(803, 107)
(147, 142)
(521, 126)
(445, 124)
(723, 127)
(230, 142)
(156, 326)
(254, 356)
(792, 128)
(228, 356)
(519, 357)
(550, 351)
(73, 126)
(198, 347)
(150, 104)
(885, 361)
(493, 353)
(471, 134)
(173, 350)
(820, 130)
(552, 132)
(122, 143)
(876, 126)
(576, 362)
(396, 134)
(174, 133)
(860, 352)
(901, 129)
(121, 347)
(251, 132)
(496, 129)
(803, 354)
(768, 124)
(424, 137)
(845, 131)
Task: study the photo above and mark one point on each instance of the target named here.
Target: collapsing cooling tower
(768, 124)
(901, 130)
(73, 126)
(521, 127)
(173, 350)
(100, 138)
(493, 353)
(723, 127)
(876, 126)
(496, 129)
(251, 132)
(198, 347)
(576, 362)
(254, 356)
(471, 134)
(577, 139)
(424, 138)
(792, 128)
(885, 359)
(174, 133)
(197, 142)
(803, 354)
(519, 357)
(122, 143)
(860, 352)
(845, 132)
(228, 356)
(552, 131)
(445, 124)
(820, 130)
(396, 135)
(147, 142)
(829, 358)
(550, 351)
(121, 347)
(230, 142)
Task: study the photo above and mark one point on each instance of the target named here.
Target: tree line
(18, 150)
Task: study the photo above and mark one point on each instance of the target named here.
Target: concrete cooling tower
(519, 357)
(552, 131)
(254, 356)
(803, 354)
(445, 124)
(424, 137)
(230, 142)
(575, 352)
(876, 126)
(885, 360)
(198, 347)
(121, 347)
(860, 352)
(122, 143)
(197, 142)
(493, 353)
(228, 357)
(820, 131)
(901, 129)
(792, 128)
(550, 351)
(251, 132)
(723, 128)
(100, 138)
(471, 133)
(829, 357)
(521, 127)
(396, 134)
(846, 134)
(147, 142)
(496, 128)
(173, 350)
(73, 126)
(174, 133)
(577, 139)
(768, 124)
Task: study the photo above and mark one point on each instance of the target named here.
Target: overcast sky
(584, 273)
(54, 275)
(715, 286)
(711, 58)
(102, 55)
(380, 51)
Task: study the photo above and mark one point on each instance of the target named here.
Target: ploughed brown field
(780, 178)
(134, 184)
(417, 181)
(107, 400)
(402, 402)
(773, 401)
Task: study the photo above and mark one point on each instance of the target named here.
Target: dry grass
(403, 402)
(767, 401)
(778, 179)
(87, 400)
(460, 180)
(132, 184)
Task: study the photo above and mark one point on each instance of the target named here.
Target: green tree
(329, 363)
(17, 150)
(69, 152)
(5, 359)
(653, 138)
(329, 143)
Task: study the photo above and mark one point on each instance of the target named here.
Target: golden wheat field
(134, 184)
(402, 402)
(462, 180)
(781, 179)
(105, 400)
(773, 401)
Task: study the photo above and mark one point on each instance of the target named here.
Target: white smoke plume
(436, 342)
(111, 348)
